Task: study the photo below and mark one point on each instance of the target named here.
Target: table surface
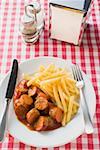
(87, 56)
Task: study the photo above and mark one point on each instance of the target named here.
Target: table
(87, 56)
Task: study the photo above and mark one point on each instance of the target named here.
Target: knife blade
(12, 80)
(9, 94)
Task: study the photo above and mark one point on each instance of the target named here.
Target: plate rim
(41, 57)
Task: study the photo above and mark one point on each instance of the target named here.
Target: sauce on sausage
(34, 109)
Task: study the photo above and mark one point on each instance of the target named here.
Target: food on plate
(47, 99)
(22, 86)
(41, 94)
(32, 115)
(41, 124)
(41, 103)
(32, 91)
(56, 113)
(20, 109)
(45, 123)
(25, 99)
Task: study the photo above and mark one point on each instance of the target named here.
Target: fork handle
(87, 117)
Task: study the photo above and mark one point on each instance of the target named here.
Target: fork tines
(77, 73)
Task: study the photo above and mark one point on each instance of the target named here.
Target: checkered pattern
(87, 56)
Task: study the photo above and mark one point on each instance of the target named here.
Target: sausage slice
(56, 113)
(45, 123)
(41, 94)
(25, 99)
(41, 124)
(32, 115)
(17, 94)
(20, 88)
(20, 110)
(41, 103)
(32, 91)
(52, 124)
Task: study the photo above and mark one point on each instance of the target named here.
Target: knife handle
(3, 121)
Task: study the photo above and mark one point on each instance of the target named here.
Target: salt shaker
(32, 22)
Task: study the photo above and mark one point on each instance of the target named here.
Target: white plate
(56, 137)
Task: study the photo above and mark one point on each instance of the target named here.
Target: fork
(77, 74)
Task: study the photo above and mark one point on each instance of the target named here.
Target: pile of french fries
(59, 84)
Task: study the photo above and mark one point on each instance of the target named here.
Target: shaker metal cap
(37, 6)
(33, 8)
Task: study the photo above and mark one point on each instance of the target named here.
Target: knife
(8, 97)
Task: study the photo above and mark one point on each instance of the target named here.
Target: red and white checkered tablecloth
(87, 56)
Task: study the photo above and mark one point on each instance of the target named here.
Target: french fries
(64, 119)
(70, 106)
(57, 98)
(64, 86)
(62, 98)
(59, 85)
(41, 68)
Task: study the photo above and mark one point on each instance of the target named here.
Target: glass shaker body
(28, 29)
(32, 22)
